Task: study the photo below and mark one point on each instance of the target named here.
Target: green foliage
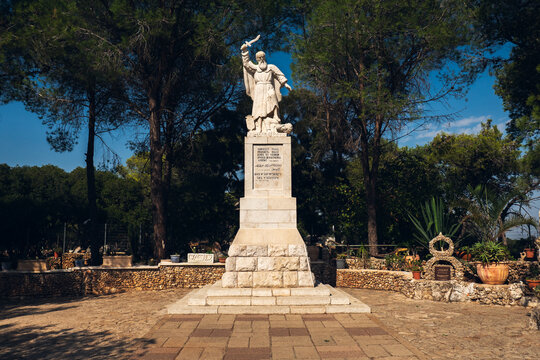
(515, 23)
(367, 62)
(435, 220)
(415, 265)
(486, 214)
(395, 261)
(490, 252)
(487, 159)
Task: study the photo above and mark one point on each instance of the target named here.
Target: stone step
(269, 309)
(319, 290)
(268, 301)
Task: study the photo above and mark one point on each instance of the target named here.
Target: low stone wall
(96, 280)
(446, 291)
(49, 284)
(371, 263)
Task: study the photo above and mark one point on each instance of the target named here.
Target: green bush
(490, 252)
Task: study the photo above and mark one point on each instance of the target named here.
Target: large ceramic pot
(493, 273)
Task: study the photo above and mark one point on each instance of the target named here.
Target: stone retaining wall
(517, 269)
(96, 280)
(100, 280)
(446, 291)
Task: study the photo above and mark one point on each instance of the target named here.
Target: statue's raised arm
(263, 84)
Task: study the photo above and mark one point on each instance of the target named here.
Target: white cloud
(468, 125)
(466, 122)
(472, 130)
(428, 134)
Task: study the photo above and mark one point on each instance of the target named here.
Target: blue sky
(23, 137)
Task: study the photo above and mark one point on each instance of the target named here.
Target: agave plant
(435, 220)
(485, 212)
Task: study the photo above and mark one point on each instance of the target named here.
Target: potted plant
(57, 252)
(222, 258)
(416, 269)
(529, 252)
(340, 260)
(175, 258)
(464, 253)
(491, 255)
(533, 278)
(485, 220)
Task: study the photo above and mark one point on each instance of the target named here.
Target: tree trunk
(156, 180)
(91, 181)
(371, 202)
(370, 168)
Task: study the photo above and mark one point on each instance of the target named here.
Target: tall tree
(177, 70)
(68, 80)
(515, 24)
(372, 61)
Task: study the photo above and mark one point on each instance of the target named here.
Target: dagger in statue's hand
(248, 43)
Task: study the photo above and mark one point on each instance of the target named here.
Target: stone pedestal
(268, 251)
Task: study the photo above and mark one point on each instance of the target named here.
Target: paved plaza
(313, 336)
(135, 325)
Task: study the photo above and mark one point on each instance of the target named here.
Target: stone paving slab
(213, 299)
(276, 336)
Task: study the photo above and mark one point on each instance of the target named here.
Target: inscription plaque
(443, 272)
(267, 167)
(199, 258)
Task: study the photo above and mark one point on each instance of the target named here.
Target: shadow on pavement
(47, 343)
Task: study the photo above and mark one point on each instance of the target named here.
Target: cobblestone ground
(456, 330)
(124, 326)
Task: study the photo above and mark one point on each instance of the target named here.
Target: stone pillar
(268, 250)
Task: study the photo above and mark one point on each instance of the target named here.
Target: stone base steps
(214, 299)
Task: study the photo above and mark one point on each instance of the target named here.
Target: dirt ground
(100, 327)
(456, 330)
(112, 326)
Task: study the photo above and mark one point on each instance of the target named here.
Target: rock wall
(95, 280)
(446, 291)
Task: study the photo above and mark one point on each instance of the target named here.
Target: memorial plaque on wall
(443, 272)
(267, 167)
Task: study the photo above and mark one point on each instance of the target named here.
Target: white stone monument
(268, 250)
(268, 270)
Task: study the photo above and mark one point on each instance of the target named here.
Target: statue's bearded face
(261, 61)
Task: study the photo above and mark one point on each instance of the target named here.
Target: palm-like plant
(485, 218)
(435, 220)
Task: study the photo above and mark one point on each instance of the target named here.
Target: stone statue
(263, 84)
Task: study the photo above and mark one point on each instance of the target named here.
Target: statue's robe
(263, 87)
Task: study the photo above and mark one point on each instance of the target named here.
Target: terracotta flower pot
(493, 273)
(532, 283)
(466, 257)
(222, 260)
(417, 275)
(529, 253)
